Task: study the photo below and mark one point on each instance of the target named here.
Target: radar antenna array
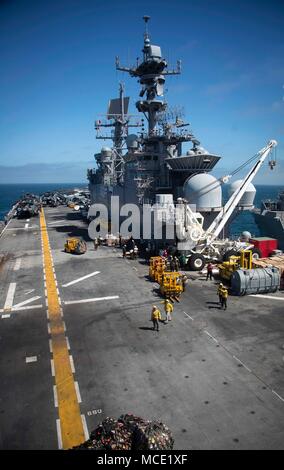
(173, 113)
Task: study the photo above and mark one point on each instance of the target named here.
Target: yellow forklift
(75, 245)
(171, 285)
(156, 268)
(241, 261)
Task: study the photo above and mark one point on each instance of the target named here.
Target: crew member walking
(172, 263)
(96, 244)
(155, 317)
(184, 282)
(209, 271)
(168, 310)
(176, 264)
(224, 294)
(219, 292)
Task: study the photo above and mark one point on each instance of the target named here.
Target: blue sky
(58, 74)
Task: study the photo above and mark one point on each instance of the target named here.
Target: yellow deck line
(72, 431)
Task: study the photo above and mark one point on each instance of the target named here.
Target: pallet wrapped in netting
(129, 432)
(132, 421)
(154, 436)
(111, 434)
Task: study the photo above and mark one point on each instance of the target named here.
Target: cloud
(227, 86)
(262, 109)
(180, 88)
(188, 46)
(277, 105)
(280, 130)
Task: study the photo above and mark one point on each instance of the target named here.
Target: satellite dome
(202, 151)
(249, 195)
(132, 141)
(203, 190)
(246, 235)
(106, 151)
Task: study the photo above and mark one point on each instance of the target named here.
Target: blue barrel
(255, 281)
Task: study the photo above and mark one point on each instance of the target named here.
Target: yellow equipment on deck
(156, 268)
(75, 245)
(171, 284)
(243, 261)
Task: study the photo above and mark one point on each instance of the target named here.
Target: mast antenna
(146, 18)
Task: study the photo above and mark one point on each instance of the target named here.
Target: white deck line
(262, 296)
(7, 315)
(6, 228)
(81, 279)
(67, 342)
(188, 316)
(214, 339)
(52, 367)
(27, 307)
(97, 299)
(78, 392)
(237, 359)
(29, 291)
(25, 302)
(72, 364)
(275, 393)
(17, 264)
(10, 296)
(59, 436)
(23, 228)
(56, 222)
(57, 225)
(85, 427)
(55, 396)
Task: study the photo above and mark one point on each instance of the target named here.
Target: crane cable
(243, 165)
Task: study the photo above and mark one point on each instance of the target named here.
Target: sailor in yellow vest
(168, 310)
(155, 317)
(219, 292)
(224, 294)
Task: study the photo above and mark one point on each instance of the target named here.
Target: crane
(202, 243)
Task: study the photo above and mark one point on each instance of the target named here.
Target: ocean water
(10, 193)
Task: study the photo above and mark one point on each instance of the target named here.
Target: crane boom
(222, 218)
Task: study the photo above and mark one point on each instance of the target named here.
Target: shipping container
(265, 245)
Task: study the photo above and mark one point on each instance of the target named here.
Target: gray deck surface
(214, 377)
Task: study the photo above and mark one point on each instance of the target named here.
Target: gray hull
(271, 226)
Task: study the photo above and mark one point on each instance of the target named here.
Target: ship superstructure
(150, 165)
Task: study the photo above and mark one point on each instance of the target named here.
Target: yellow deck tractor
(75, 245)
(243, 261)
(156, 268)
(171, 284)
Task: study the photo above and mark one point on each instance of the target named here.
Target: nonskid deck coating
(215, 378)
